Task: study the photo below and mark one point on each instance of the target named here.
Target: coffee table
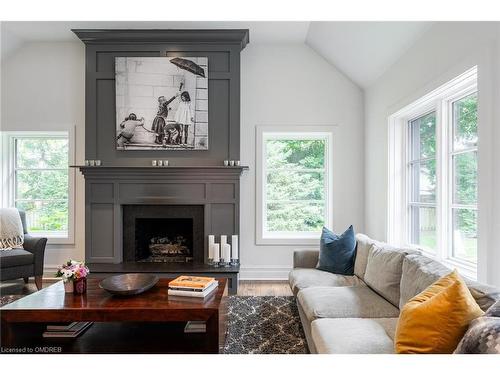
(151, 322)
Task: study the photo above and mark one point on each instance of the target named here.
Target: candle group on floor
(223, 252)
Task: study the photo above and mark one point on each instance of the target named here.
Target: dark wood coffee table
(151, 322)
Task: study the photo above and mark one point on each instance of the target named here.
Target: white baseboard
(264, 272)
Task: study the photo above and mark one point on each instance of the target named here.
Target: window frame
(441, 101)
(456, 261)
(9, 169)
(410, 203)
(264, 132)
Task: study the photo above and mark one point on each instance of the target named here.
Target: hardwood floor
(246, 288)
(264, 288)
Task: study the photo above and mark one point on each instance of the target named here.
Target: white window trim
(302, 132)
(7, 162)
(397, 226)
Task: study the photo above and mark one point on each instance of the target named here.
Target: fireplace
(127, 207)
(163, 240)
(163, 233)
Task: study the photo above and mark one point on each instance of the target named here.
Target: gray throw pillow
(383, 272)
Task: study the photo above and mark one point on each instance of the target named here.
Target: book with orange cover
(195, 282)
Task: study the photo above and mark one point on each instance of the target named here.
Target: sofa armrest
(36, 246)
(305, 258)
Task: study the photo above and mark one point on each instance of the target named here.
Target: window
(463, 197)
(433, 169)
(40, 182)
(422, 181)
(294, 187)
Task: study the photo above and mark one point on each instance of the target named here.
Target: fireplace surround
(127, 180)
(207, 195)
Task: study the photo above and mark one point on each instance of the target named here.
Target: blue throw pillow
(337, 252)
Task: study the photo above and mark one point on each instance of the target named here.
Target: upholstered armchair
(24, 263)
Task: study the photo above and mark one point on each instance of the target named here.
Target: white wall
(443, 52)
(291, 84)
(43, 88)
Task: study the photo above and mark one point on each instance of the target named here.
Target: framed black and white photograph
(161, 103)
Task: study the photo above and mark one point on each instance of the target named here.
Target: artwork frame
(161, 103)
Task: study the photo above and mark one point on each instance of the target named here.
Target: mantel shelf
(241, 167)
(121, 172)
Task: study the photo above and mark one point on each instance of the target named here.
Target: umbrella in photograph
(188, 65)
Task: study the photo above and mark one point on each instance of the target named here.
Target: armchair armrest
(305, 258)
(36, 246)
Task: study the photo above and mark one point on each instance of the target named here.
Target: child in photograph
(160, 120)
(184, 116)
(128, 129)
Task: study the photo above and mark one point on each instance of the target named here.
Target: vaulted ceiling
(361, 50)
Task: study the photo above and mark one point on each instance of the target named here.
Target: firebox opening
(164, 240)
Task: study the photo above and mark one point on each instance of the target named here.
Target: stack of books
(74, 329)
(195, 326)
(192, 286)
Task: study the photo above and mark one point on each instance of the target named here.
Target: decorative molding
(238, 37)
(161, 173)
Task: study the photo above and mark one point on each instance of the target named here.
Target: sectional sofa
(359, 313)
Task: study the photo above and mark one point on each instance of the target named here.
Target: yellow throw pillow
(435, 320)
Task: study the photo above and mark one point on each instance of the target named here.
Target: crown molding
(238, 37)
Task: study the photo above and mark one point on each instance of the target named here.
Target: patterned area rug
(264, 325)
(256, 325)
(8, 299)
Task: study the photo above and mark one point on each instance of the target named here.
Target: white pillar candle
(234, 246)
(215, 246)
(226, 252)
(223, 240)
(211, 241)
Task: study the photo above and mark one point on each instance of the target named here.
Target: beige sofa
(359, 313)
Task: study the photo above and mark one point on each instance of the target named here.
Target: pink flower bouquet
(72, 270)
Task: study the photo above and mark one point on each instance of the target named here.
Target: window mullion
(442, 180)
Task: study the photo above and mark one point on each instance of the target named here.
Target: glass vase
(68, 286)
(80, 286)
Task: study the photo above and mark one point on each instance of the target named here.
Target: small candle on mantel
(216, 252)
(234, 246)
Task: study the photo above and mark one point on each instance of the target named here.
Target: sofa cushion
(337, 252)
(300, 278)
(353, 336)
(15, 257)
(419, 272)
(435, 320)
(383, 271)
(363, 245)
(344, 302)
